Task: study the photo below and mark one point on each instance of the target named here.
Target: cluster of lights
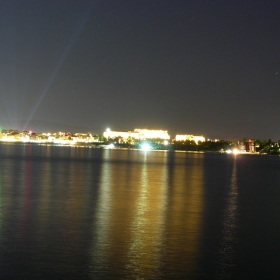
(139, 134)
(234, 151)
(110, 146)
(146, 147)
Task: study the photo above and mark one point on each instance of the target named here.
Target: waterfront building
(145, 134)
(137, 134)
(188, 137)
(125, 135)
(250, 146)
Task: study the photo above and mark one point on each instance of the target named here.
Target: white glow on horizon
(110, 146)
(234, 151)
(146, 147)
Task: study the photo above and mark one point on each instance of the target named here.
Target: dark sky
(191, 67)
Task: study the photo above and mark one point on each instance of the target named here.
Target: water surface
(84, 213)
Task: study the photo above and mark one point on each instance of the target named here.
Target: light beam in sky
(66, 52)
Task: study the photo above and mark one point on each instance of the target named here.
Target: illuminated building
(189, 138)
(145, 134)
(138, 134)
(250, 146)
(110, 134)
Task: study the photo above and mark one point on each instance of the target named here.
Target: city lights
(146, 147)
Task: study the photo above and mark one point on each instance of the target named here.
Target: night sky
(208, 68)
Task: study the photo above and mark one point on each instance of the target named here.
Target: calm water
(83, 213)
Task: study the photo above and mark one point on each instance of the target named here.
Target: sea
(90, 213)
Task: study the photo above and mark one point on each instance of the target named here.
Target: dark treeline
(187, 145)
(201, 146)
(268, 147)
(261, 146)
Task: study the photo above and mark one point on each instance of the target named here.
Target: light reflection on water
(101, 244)
(185, 214)
(146, 208)
(75, 213)
(229, 242)
(145, 246)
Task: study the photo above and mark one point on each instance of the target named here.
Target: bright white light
(110, 146)
(235, 151)
(165, 142)
(228, 151)
(146, 146)
(108, 129)
(25, 139)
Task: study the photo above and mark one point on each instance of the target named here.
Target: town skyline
(108, 132)
(207, 67)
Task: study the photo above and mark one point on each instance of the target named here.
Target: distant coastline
(99, 141)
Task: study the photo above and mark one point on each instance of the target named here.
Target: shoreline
(107, 147)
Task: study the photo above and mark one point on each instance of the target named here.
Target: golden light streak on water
(101, 242)
(130, 216)
(131, 230)
(147, 228)
(186, 204)
(227, 262)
